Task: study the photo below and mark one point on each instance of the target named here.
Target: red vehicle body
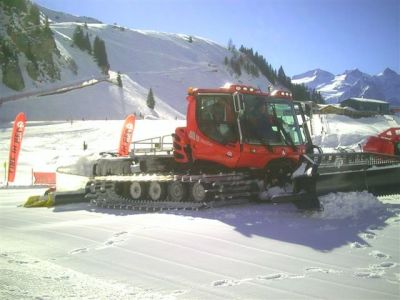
(242, 150)
(387, 142)
(238, 143)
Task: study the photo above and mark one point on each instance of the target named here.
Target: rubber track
(221, 190)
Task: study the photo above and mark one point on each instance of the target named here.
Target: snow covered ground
(351, 250)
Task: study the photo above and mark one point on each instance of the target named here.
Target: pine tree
(34, 15)
(282, 76)
(47, 29)
(119, 80)
(87, 44)
(78, 37)
(231, 46)
(100, 54)
(82, 40)
(150, 99)
(19, 4)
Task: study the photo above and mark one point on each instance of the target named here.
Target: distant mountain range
(353, 83)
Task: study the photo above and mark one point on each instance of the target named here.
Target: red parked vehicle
(387, 142)
(238, 143)
(241, 127)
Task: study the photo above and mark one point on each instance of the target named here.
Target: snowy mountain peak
(355, 72)
(352, 76)
(315, 72)
(313, 78)
(388, 73)
(353, 83)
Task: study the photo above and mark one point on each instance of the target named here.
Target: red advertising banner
(47, 178)
(126, 135)
(15, 146)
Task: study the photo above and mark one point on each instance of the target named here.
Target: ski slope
(165, 62)
(351, 250)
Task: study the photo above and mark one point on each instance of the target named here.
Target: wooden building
(367, 106)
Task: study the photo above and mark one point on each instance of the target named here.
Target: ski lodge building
(377, 107)
(356, 108)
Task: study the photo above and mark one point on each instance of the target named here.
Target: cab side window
(216, 118)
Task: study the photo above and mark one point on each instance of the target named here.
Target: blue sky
(300, 35)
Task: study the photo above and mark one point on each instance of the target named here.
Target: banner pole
(5, 172)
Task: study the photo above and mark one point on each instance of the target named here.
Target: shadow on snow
(283, 222)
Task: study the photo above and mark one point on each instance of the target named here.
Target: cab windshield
(269, 121)
(260, 121)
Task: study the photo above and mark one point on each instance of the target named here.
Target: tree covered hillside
(278, 78)
(40, 58)
(26, 43)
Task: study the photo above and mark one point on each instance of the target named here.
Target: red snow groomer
(386, 142)
(238, 143)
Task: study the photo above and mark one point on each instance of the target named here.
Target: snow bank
(348, 205)
(336, 131)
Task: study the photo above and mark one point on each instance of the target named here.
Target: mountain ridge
(353, 83)
(168, 63)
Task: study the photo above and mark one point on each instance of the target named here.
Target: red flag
(126, 135)
(15, 146)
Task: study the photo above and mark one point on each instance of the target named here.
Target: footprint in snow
(117, 238)
(375, 271)
(369, 274)
(120, 233)
(322, 270)
(225, 282)
(378, 254)
(79, 250)
(384, 265)
(357, 245)
(178, 292)
(109, 243)
(369, 235)
(276, 276)
(394, 220)
(229, 282)
(279, 276)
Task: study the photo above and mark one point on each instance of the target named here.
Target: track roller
(198, 192)
(177, 191)
(137, 190)
(157, 191)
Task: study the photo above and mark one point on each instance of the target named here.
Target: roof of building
(367, 100)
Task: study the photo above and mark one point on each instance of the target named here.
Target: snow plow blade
(50, 199)
(46, 200)
(320, 174)
(343, 172)
(61, 198)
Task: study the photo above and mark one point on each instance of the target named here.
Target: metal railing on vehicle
(162, 145)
